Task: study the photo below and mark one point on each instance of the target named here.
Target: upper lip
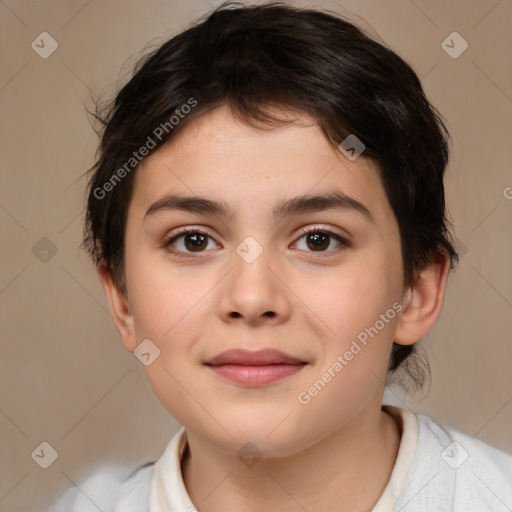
(250, 357)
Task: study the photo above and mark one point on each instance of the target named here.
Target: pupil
(197, 241)
(319, 237)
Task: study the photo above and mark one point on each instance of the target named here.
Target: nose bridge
(252, 290)
(251, 273)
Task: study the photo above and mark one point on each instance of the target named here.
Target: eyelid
(189, 229)
(311, 228)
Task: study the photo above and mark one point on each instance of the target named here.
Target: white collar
(169, 494)
(408, 443)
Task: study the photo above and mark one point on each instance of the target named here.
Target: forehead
(221, 157)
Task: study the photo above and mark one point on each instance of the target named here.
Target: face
(321, 284)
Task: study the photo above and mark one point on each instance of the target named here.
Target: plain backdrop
(64, 376)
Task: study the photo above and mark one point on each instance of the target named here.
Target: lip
(239, 356)
(254, 368)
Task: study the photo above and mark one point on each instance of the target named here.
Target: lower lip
(256, 375)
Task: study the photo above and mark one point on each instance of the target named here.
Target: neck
(346, 471)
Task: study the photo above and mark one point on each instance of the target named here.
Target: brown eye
(320, 240)
(195, 241)
(187, 242)
(317, 240)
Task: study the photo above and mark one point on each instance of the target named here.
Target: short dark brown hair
(254, 59)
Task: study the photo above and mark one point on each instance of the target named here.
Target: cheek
(353, 297)
(164, 297)
(353, 361)
(169, 309)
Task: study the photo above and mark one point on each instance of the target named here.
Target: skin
(336, 452)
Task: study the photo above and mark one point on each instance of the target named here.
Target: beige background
(64, 377)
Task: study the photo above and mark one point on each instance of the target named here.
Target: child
(267, 217)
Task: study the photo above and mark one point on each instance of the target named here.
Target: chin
(266, 434)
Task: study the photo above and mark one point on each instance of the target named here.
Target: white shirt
(437, 469)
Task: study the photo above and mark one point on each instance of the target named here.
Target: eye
(188, 241)
(194, 240)
(318, 240)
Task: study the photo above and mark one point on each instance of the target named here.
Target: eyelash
(168, 241)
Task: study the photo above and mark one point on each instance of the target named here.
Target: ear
(119, 308)
(422, 302)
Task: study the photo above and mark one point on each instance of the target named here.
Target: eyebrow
(293, 206)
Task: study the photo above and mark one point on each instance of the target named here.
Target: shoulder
(454, 471)
(465, 455)
(107, 489)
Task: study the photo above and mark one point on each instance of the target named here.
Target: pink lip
(254, 368)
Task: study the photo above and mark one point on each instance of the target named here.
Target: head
(249, 107)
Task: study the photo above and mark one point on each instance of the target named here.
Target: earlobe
(119, 308)
(422, 302)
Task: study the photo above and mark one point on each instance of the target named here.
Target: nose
(254, 293)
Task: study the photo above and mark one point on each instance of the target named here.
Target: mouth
(254, 368)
